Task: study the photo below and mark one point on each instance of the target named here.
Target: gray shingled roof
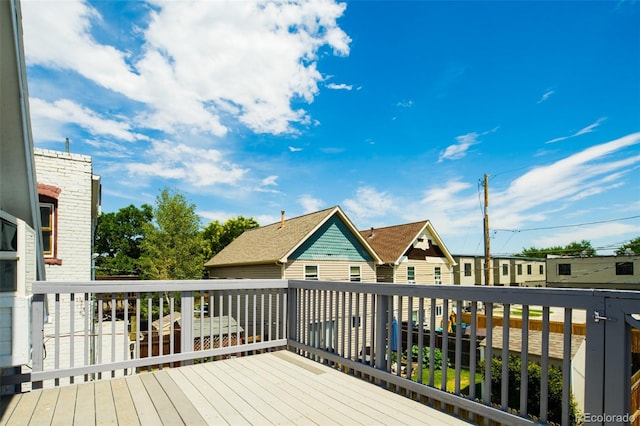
(269, 244)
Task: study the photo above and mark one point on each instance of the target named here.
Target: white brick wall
(72, 174)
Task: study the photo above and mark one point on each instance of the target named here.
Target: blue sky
(392, 110)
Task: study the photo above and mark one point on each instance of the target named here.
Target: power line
(567, 226)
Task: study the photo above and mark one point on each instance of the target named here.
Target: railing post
(382, 308)
(37, 336)
(186, 328)
(617, 367)
(292, 315)
(594, 362)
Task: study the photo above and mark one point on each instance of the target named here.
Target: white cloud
(593, 232)
(200, 61)
(64, 111)
(405, 104)
(368, 203)
(197, 167)
(269, 181)
(341, 86)
(546, 96)
(310, 204)
(294, 149)
(459, 150)
(590, 128)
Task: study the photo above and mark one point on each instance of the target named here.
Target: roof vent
(372, 233)
(281, 219)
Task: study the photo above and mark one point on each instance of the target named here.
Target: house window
(528, 269)
(624, 268)
(564, 269)
(8, 256)
(47, 218)
(505, 269)
(437, 273)
(411, 274)
(439, 311)
(356, 321)
(467, 269)
(354, 273)
(541, 269)
(311, 272)
(519, 269)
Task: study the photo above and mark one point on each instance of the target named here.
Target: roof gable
(332, 241)
(275, 243)
(393, 242)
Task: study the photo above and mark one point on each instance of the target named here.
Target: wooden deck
(272, 388)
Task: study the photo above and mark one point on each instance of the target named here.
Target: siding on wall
(272, 271)
(330, 270)
(333, 241)
(425, 271)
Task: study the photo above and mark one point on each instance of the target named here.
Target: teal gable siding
(333, 241)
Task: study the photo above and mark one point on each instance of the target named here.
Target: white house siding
(499, 278)
(73, 175)
(458, 271)
(334, 270)
(425, 271)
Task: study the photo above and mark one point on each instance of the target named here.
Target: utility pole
(487, 251)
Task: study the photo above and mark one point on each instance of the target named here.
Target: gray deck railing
(365, 329)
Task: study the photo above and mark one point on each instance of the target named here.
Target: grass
(451, 379)
(533, 313)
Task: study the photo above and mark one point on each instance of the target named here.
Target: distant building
(411, 253)
(505, 271)
(609, 272)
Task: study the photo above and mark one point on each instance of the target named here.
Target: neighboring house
(556, 353)
(69, 195)
(608, 272)
(20, 251)
(505, 271)
(317, 246)
(411, 253)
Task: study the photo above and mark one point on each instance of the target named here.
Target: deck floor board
(271, 388)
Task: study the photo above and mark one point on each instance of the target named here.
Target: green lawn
(533, 313)
(451, 379)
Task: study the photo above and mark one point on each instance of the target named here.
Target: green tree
(217, 235)
(118, 238)
(633, 246)
(173, 247)
(582, 248)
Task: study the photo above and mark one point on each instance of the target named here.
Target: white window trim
(359, 273)
(304, 272)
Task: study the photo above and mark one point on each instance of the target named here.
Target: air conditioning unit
(17, 273)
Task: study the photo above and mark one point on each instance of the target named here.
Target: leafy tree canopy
(633, 246)
(582, 248)
(217, 235)
(118, 238)
(173, 248)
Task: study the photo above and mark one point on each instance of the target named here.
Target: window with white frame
(311, 272)
(437, 274)
(354, 274)
(8, 257)
(411, 274)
